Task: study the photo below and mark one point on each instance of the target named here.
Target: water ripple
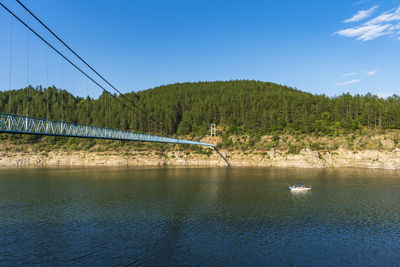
(199, 216)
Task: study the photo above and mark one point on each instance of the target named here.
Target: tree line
(238, 107)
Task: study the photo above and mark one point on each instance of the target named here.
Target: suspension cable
(11, 44)
(75, 103)
(69, 61)
(87, 103)
(27, 58)
(27, 74)
(62, 88)
(87, 64)
(47, 81)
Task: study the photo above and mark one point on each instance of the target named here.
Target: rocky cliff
(272, 158)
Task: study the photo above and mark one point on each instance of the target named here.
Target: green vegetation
(244, 111)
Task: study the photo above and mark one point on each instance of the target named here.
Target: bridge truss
(17, 124)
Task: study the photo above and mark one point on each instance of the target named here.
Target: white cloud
(362, 14)
(366, 32)
(391, 15)
(349, 82)
(361, 2)
(349, 74)
(372, 72)
(396, 27)
(387, 23)
(358, 3)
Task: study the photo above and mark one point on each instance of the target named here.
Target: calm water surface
(211, 216)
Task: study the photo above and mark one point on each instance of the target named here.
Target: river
(198, 216)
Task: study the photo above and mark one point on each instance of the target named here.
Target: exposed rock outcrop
(307, 158)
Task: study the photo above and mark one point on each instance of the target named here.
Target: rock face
(272, 158)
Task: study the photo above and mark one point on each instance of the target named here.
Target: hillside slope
(238, 107)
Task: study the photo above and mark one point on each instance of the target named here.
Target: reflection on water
(216, 216)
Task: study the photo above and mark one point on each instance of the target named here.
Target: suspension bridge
(23, 124)
(18, 124)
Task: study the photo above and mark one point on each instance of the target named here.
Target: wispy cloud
(386, 23)
(349, 74)
(362, 14)
(358, 3)
(348, 82)
(361, 2)
(366, 32)
(388, 16)
(359, 75)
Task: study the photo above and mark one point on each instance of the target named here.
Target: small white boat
(299, 187)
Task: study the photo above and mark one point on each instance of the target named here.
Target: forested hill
(238, 107)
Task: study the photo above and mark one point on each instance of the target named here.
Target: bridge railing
(11, 123)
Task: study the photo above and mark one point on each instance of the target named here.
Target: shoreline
(306, 158)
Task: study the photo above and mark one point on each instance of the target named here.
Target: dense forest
(237, 107)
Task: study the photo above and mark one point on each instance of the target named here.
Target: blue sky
(323, 47)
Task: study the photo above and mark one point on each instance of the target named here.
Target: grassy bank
(286, 143)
